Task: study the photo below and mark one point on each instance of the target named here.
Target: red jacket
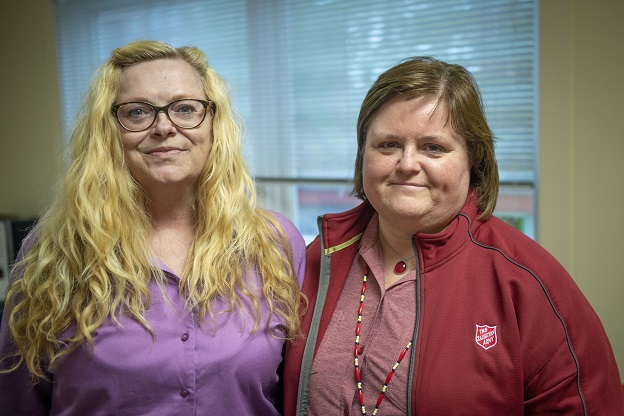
(501, 327)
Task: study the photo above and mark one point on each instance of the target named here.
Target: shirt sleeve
(18, 394)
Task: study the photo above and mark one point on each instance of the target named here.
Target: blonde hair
(458, 91)
(86, 264)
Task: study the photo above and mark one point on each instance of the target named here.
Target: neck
(173, 217)
(396, 263)
(393, 244)
(172, 207)
(173, 232)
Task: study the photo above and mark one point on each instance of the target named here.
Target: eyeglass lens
(139, 116)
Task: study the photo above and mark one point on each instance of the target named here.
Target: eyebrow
(176, 97)
(392, 136)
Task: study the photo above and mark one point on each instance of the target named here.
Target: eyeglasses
(139, 116)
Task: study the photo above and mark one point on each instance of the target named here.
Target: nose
(409, 160)
(163, 126)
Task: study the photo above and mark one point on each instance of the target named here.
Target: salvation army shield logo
(486, 336)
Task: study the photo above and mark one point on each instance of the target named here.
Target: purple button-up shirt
(216, 369)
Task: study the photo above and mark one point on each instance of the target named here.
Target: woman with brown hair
(421, 301)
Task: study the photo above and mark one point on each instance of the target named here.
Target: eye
(135, 111)
(388, 145)
(185, 108)
(433, 148)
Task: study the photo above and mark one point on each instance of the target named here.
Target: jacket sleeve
(568, 365)
(581, 376)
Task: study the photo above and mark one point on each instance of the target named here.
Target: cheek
(206, 148)
(127, 146)
(368, 171)
(464, 171)
(365, 174)
(203, 138)
(455, 178)
(374, 175)
(372, 167)
(129, 141)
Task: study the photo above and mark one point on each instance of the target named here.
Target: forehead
(160, 79)
(411, 112)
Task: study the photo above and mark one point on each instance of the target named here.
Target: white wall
(582, 150)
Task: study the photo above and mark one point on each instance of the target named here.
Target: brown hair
(457, 90)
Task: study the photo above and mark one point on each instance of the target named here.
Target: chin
(409, 208)
(402, 214)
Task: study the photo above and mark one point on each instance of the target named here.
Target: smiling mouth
(165, 151)
(410, 185)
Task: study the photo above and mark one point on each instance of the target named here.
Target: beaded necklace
(356, 354)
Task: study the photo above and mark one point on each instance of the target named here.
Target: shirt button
(184, 392)
(184, 336)
(361, 350)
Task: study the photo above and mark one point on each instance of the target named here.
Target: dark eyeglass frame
(165, 109)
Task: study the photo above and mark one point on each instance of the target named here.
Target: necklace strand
(401, 266)
(356, 354)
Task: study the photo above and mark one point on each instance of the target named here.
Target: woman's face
(416, 169)
(164, 155)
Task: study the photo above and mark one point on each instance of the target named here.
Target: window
(299, 70)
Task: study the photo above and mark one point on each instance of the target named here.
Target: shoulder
(25, 246)
(296, 241)
(292, 233)
(525, 265)
(496, 234)
(27, 243)
(289, 227)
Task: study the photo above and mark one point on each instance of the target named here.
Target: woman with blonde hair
(154, 285)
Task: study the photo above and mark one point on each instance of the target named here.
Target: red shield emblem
(486, 336)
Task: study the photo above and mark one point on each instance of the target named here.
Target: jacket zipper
(410, 377)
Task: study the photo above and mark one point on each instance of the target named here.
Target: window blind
(299, 69)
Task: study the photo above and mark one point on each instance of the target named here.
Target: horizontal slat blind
(299, 69)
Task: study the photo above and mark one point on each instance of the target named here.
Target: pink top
(388, 320)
